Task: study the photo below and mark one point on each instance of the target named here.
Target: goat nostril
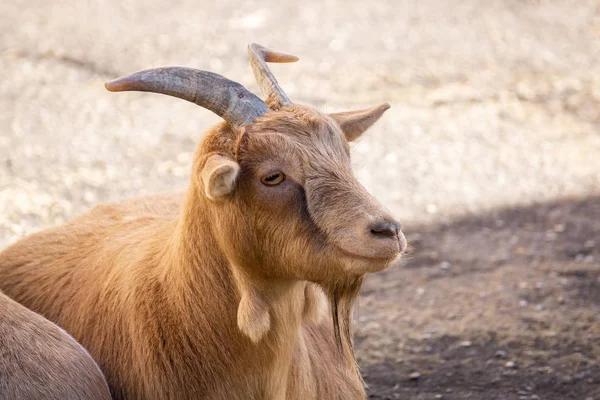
(385, 229)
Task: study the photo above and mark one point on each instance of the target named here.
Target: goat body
(219, 293)
(143, 287)
(38, 360)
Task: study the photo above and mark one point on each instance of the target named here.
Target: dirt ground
(503, 305)
(490, 156)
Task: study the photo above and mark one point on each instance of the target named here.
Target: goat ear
(355, 123)
(218, 176)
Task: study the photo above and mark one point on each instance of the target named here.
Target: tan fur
(219, 295)
(38, 360)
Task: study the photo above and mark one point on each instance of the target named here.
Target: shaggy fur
(38, 360)
(220, 293)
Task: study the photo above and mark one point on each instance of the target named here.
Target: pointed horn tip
(281, 58)
(383, 107)
(270, 55)
(288, 58)
(113, 86)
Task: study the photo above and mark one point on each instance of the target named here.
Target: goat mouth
(374, 259)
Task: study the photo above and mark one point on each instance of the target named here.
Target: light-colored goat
(220, 294)
(38, 360)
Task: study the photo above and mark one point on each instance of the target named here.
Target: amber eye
(273, 179)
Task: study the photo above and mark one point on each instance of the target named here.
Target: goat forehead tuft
(323, 142)
(294, 131)
(294, 120)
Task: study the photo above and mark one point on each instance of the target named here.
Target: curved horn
(229, 100)
(259, 56)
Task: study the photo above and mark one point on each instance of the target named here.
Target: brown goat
(38, 360)
(220, 294)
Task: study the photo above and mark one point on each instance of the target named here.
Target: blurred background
(490, 156)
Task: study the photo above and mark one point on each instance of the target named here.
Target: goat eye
(273, 179)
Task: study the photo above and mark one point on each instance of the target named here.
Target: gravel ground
(490, 155)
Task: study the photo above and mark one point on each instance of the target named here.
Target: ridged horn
(259, 56)
(229, 100)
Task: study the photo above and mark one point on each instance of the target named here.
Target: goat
(38, 360)
(219, 293)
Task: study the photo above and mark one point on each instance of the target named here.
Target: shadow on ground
(504, 305)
